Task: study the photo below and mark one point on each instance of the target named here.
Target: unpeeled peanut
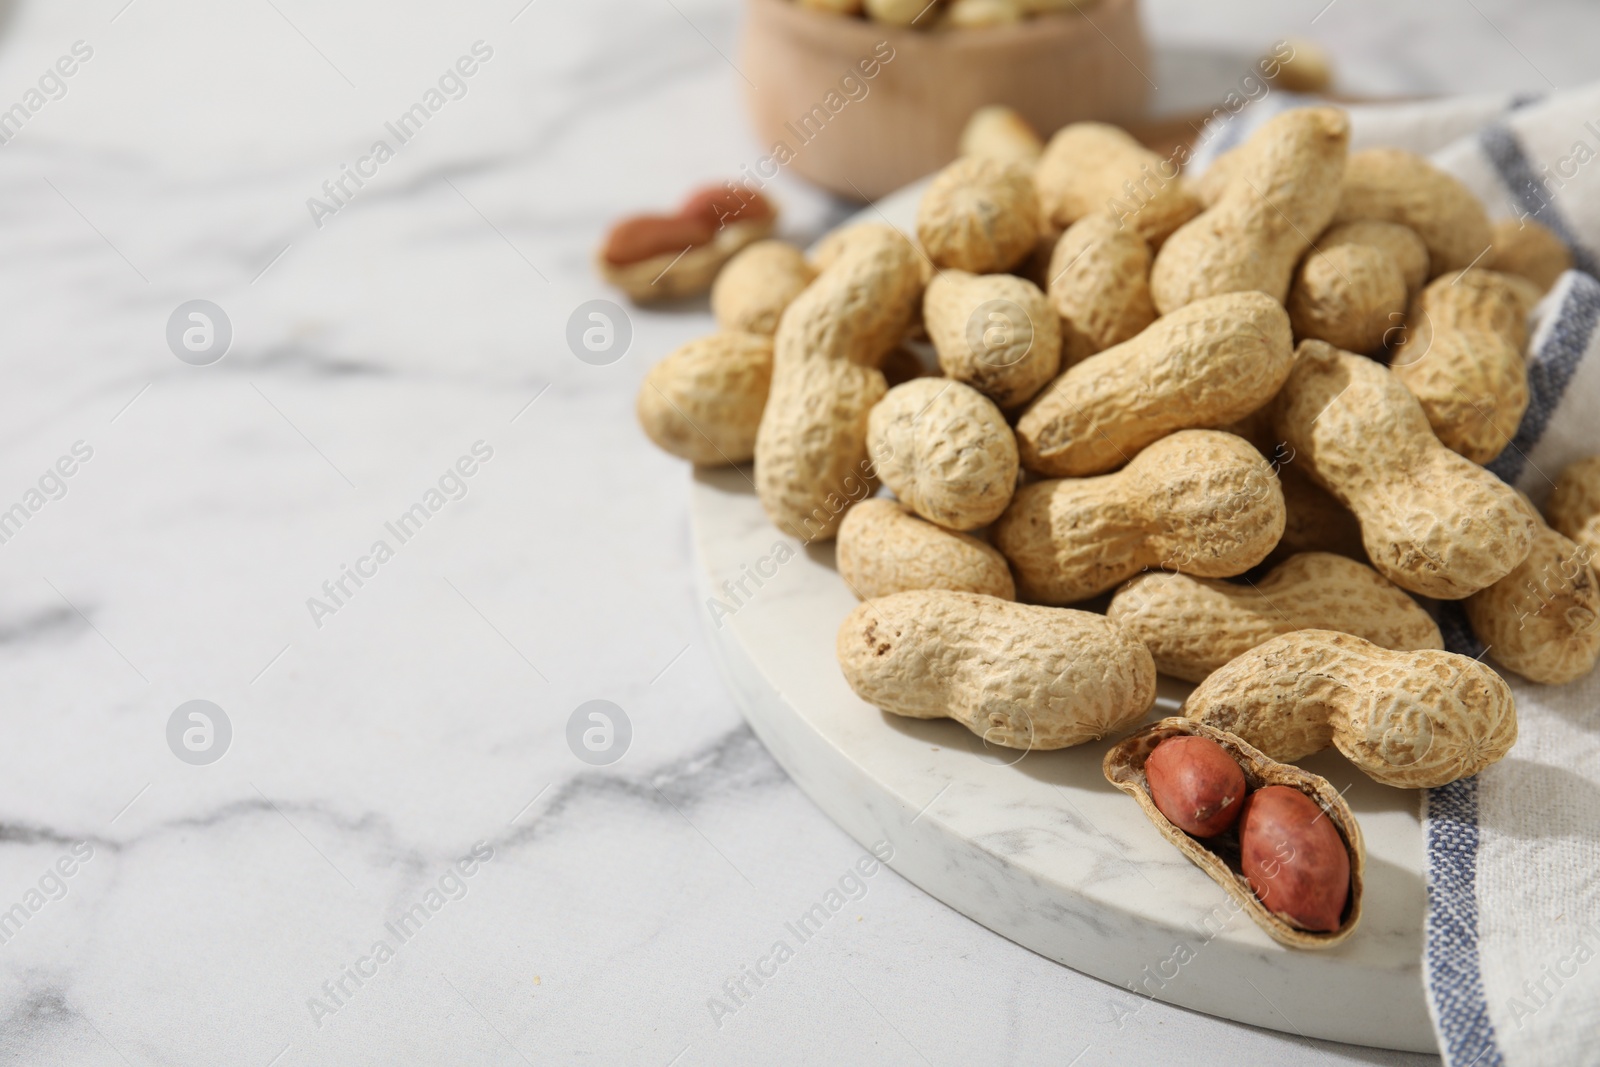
(999, 133)
(751, 292)
(1462, 359)
(885, 549)
(1195, 784)
(1199, 501)
(1433, 522)
(1352, 288)
(1294, 858)
(1020, 676)
(945, 450)
(1313, 520)
(1574, 504)
(811, 447)
(995, 332)
(1100, 286)
(1206, 365)
(1529, 250)
(980, 215)
(1543, 619)
(1091, 168)
(1283, 193)
(703, 402)
(1393, 185)
(1193, 626)
(1407, 719)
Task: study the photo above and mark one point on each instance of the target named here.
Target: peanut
(1543, 619)
(1100, 286)
(1462, 360)
(1206, 365)
(751, 292)
(1529, 250)
(1086, 170)
(977, 14)
(946, 452)
(1020, 676)
(1392, 185)
(1284, 192)
(1193, 626)
(1352, 288)
(665, 257)
(1294, 858)
(704, 401)
(1195, 784)
(999, 133)
(1199, 501)
(1313, 520)
(811, 447)
(1433, 522)
(1408, 719)
(1574, 504)
(1127, 766)
(995, 332)
(885, 549)
(979, 215)
(1308, 68)
(897, 12)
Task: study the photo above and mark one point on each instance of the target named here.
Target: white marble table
(399, 769)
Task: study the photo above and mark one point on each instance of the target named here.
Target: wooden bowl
(818, 114)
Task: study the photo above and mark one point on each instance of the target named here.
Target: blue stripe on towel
(1454, 982)
(1516, 171)
(1550, 371)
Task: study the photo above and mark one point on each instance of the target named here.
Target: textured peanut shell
(1017, 675)
(1199, 501)
(1529, 250)
(946, 452)
(884, 549)
(703, 402)
(1206, 365)
(1100, 286)
(1432, 521)
(1412, 720)
(1574, 505)
(1283, 194)
(999, 133)
(1352, 288)
(675, 275)
(1393, 185)
(811, 448)
(1084, 170)
(1193, 626)
(751, 292)
(980, 215)
(1543, 619)
(1019, 347)
(1124, 768)
(1462, 360)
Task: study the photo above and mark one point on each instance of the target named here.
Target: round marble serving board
(1039, 847)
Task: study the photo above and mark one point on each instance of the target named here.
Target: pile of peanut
(1288, 372)
(945, 14)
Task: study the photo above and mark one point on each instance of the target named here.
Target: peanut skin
(1283, 193)
(885, 549)
(1199, 501)
(1294, 858)
(1195, 784)
(1392, 185)
(1100, 286)
(995, 332)
(979, 215)
(1543, 619)
(1412, 720)
(1433, 522)
(1206, 365)
(945, 450)
(1194, 626)
(703, 402)
(1462, 359)
(1020, 676)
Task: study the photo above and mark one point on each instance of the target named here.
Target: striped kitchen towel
(1512, 946)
